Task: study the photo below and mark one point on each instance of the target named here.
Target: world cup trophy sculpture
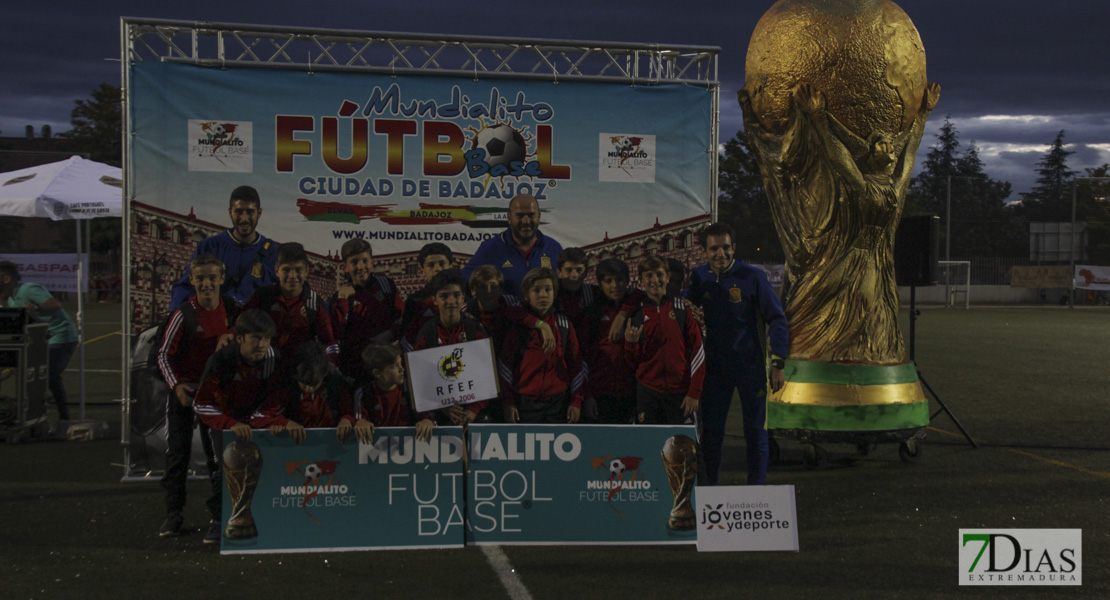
(835, 102)
(680, 461)
(242, 466)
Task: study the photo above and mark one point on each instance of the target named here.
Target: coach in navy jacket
(518, 249)
(248, 256)
(735, 296)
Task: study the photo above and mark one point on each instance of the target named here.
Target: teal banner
(580, 484)
(321, 495)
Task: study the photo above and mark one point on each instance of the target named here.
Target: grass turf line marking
(1051, 461)
(97, 339)
(504, 569)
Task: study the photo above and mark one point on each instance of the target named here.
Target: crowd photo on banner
(247, 344)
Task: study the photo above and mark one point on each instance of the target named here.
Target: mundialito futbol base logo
(626, 157)
(1021, 557)
(222, 146)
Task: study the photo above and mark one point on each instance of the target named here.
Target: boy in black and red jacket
(611, 389)
(318, 399)
(236, 380)
(575, 295)
(420, 306)
(366, 310)
(665, 342)
(382, 400)
(537, 386)
(298, 312)
(189, 338)
(451, 326)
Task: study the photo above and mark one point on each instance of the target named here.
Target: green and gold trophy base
(849, 399)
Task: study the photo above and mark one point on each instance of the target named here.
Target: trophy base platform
(241, 532)
(681, 523)
(848, 398)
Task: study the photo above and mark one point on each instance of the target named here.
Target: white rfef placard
(456, 374)
(750, 518)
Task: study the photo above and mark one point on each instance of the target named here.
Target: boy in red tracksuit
(190, 337)
(299, 313)
(366, 310)
(497, 312)
(383, 399)
(611, 386)
(665, 341)
(488, 304)
(451, 326)
(420, 305)
(576, 296)
(236, 380)
(537, 386)
(318, 399)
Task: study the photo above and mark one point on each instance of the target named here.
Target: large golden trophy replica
(680, 461)
(834, 105)
(242, 467)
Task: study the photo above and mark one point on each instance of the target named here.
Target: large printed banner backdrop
(403, 161)
(587, 484)
(322, 495)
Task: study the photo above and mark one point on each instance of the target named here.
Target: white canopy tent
(75, 188)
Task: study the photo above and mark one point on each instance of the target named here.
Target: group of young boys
(287, 360)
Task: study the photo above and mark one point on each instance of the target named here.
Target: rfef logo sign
(1021, 557)
(456, 374)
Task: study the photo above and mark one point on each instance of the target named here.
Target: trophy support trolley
(814, 455)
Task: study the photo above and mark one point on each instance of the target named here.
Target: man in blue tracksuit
(735, 296)
(518, 249)
(249, 257)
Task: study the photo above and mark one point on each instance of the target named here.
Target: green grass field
(1028, 383)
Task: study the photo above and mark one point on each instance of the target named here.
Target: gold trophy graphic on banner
(835, 102)
(680, 459)
(242, 466)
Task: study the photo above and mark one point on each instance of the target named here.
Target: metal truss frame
(228, 44)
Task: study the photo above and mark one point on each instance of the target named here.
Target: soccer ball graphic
(313, 472)
(616, 467)
(217, 130)
(502, 144)
(625, 144)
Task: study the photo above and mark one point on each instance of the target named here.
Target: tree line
(983, 222)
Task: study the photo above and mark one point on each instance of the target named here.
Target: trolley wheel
(41, 430)
(774, 452)
(909, 451)
(814, 456)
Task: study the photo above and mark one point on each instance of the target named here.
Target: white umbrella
(71, 189)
